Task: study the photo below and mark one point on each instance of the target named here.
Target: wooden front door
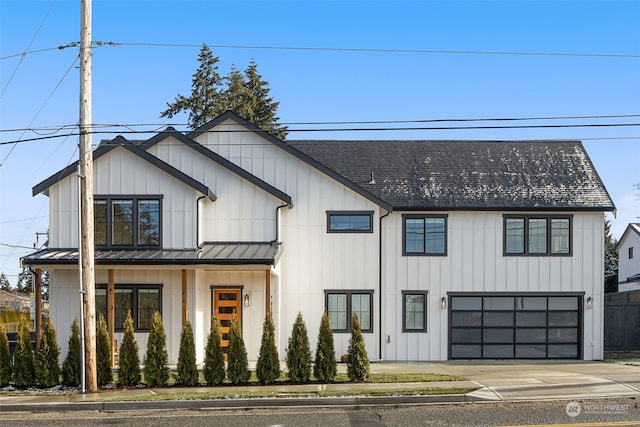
(226, 307)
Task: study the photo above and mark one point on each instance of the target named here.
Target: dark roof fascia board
(230, 115)
(166, 167)
(170, 132)
(120, 141)
(503, 208)
(72, 168)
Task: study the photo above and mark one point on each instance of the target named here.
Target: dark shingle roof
(494, 175)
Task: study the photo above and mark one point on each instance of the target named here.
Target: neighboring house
(11, 301)
(445, 249)
(628, 248)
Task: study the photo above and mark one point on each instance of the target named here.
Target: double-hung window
(124, 221)
(537, 235)
(424, 234)
(414, 311)
(342, 305)
(141, 300)
(350, 221)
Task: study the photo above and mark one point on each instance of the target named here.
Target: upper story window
(127, 221)
(424, 234)
(350, 221)
(537, 235)
(631, 252)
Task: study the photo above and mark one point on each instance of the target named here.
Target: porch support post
(37, 284)
(111, 313)
(267, 291)
(184, 297)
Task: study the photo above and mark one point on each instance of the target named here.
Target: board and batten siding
(241, 212)
(312, 260)
(475, 263)
(65, 303)
(120, 172)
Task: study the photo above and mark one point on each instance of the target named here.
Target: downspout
(198, 222)
(380, 284)
(277, 239)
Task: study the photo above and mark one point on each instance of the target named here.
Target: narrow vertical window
(560, 235)
(414, 311)
(514, 235)
(100, 222)
(631, 252)
(361, 305)
(122, 217)
(337, 311)
(148, 222)
(537, 236)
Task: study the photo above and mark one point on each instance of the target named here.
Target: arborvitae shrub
(128, 359)
(71, 369)
(156, 361)
(325, 367)
(268, 366)
(214, 372)
(299, 353)
(5, 357)
(358, 361)
(103, 353)
(187, 369)
(238, 365)
(23, 369)
(47, 370)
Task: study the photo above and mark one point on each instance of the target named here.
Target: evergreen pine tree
(71, 369)
(128, 359)
(187, 369)
(23, 369)
(299, 353)
(103, 353)
(358, 361)
(211, 95)
(214, 371)
(46, 368)
(4, 283)
(268, 366)
(325, 367)
(206, 99)
(5, 357)
(238, 365)
(156, 361)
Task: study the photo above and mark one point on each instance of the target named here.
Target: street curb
(353, 402)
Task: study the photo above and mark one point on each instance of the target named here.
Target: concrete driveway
(535, 380)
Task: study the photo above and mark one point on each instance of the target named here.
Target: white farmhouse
(444, 249)
(628, 248)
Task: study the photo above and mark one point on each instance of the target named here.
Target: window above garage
(537, 235)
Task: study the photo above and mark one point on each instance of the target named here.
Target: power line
(24, 54)
(348, 49)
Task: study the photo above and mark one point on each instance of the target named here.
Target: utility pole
(86, 240)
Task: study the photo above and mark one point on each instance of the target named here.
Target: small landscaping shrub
(128, 360)
(268, 366)
(23, 369)
(5, 358)
(46, 368)
(299, 353)
(103, 353)
(214, 356)
(325, 367)
(187, 369)
(156, 361)
(238, 365)
(344, 358)
(358, 362)
(71, 368)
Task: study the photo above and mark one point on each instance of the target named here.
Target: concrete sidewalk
(496, 381)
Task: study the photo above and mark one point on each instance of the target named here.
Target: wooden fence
(622, 321)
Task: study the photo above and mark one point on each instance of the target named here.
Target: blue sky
(420, 60)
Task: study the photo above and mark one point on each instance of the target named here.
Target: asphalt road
(604, 412)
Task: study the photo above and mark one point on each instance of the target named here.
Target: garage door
(515, 327)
